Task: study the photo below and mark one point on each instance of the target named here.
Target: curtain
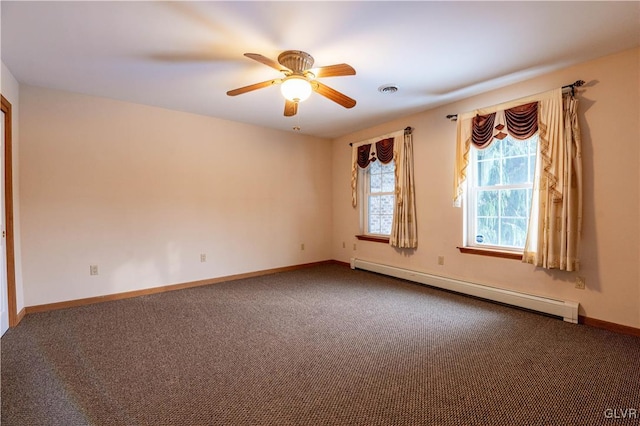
(397, 146)
(555, 222)
(404, 230)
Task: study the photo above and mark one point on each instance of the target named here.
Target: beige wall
(142, 192)
(10, 89)
(609, 116)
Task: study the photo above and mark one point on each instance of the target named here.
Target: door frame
(8, 207)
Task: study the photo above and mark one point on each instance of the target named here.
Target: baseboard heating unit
(568, 310)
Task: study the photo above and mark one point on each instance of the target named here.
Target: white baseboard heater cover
(568, 310)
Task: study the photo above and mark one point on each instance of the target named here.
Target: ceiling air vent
(388, 88)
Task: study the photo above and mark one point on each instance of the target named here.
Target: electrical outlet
(440, 260)
(93, 269)
(580, 284)
(344, 245)
(354, 246)
(302, 246)
(203, 257)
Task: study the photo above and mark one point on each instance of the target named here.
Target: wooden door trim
(8, 207)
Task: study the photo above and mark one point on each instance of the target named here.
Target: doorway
(9, 315)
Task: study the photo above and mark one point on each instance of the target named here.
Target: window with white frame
(378, 183)
(499, 189)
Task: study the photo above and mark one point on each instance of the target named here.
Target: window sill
(492, 253)
(373, 239)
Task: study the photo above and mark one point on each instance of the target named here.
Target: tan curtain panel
(404, 229)
(555, 222)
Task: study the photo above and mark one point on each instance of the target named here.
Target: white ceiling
(186, 55)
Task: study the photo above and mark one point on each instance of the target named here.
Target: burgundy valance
(482, 132)
(363, 155)
(521, 122)
(384, 148)
(383, 152)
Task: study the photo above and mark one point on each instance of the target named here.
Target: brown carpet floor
(319, 346)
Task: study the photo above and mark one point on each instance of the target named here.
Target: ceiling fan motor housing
(296, 60)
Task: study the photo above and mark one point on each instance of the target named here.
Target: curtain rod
(407, 131)
(572, 86)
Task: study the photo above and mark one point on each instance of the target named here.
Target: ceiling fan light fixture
(295, 88)
(299, 79)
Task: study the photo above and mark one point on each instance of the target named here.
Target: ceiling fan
(300, 79)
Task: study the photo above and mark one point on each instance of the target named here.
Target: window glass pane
(514, 202)
(374, 224)
(488, 203)
(379, 213)
(387, 168)
(388, 182)
(492, 151)
(513, 147)
(375, 182)
(500, 192)
(488, 172)
(374, 167)
(513, 232)
(487, 231)
(515, 170)
(374, 205)
(533, 145)
(385, 224)
(386, 204)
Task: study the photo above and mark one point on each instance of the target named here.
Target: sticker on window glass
(479, 239)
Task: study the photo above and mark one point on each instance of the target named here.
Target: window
(499, 193)
(379, 198)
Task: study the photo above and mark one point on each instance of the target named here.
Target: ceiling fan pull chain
(297, 126)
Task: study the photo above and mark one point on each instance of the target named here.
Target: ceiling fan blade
(267, 61)
(290, 108)
(336, 70)
(333, 94)
(252, 87)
